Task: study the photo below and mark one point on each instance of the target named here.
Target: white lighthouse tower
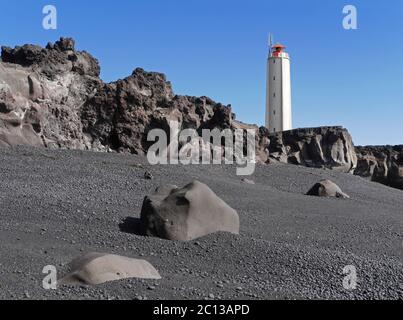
(278, 90)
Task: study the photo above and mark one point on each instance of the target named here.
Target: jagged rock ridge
(323, 147)
(53, 97)
(383, 164)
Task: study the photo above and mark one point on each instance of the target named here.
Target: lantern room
(277, 51)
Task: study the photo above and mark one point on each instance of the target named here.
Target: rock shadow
(131, 225)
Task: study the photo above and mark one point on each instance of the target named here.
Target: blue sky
(218, 48)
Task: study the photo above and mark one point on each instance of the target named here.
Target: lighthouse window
(274, 112)
(274, 78)
(274, 94)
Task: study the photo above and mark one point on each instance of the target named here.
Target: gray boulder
(96, 268)
(327, 188)
(186, 213)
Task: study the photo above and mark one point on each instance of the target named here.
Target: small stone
(244, 180)
(148, 175)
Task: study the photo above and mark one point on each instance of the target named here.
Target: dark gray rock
(323, 147)
(74, 109)
(42, 91)
(383, 164)
(65, 44)
(120, 114)
(60, 57)
(327, 188)
(26, 55)
(148, 175)
(247, 181)
(186, 213)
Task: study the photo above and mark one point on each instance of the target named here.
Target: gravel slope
(55, 205)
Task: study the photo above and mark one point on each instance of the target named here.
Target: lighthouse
(278, 90)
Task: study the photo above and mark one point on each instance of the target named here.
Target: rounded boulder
(186, 213)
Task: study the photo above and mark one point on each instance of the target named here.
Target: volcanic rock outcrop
(327, 188)
(53, 97)
(383, 164)
(42, 91)
(323, 147)
(96, 268)
(186, 213)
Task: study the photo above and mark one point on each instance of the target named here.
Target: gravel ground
(56, 205)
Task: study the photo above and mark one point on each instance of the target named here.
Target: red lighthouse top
(278, 50)
(278, 46)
